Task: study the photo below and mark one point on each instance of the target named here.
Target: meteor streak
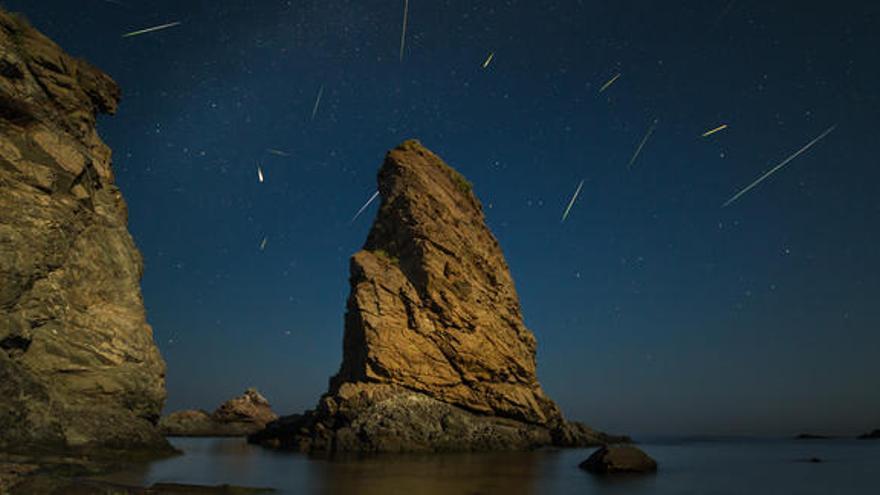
(781, 164)
(403, 31)
(365, 206)
(713, 131)
(317, 101)
(150, 29)
(609, 83)
(488, 60)
(642, 144)
(571, 203)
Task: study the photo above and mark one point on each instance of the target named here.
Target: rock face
(435, 354)
(78, 365)
(619, 459)
(236, 417)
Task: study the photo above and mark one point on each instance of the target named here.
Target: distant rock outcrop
(874, 435)
(78, 366)
(435, 355)
(619, 459)
(234, 418)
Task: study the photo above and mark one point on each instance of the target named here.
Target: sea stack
(79, 371)
(436, 356)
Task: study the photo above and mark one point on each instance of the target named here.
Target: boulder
(250, 407)
(240, 416)
(616, 459)
(435, 352)
(79, 370)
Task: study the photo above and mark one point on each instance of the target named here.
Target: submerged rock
(619, 459)
(810, 436)
(435, 353)
(874, 435)
(240, 416)
(79, 370)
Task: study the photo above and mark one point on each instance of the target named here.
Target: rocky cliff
(435, 355)
(78, 366)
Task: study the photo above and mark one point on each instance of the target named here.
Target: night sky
(656, 310)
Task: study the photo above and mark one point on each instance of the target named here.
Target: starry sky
(656, 309)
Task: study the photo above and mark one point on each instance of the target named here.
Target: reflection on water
(722, 467)
(464, 473)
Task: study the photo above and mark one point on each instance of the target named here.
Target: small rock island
(436, 356)
(236, 417)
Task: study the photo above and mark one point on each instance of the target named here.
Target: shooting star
(317, 101)
(403, 31)
(260, 173)
(488, 60)
(263, 243)
(781, 164)
(609, 83)
(150, 29)
(642, 144)
(713, 131)
(375, 194)
(277, 152)
(571, 203)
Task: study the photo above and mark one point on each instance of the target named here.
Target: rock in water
(811, 436)
(78, 365)
(435, 354)
(236, 417)
(619, 459)
(874, 435)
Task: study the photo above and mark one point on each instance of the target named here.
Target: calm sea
(727, 466)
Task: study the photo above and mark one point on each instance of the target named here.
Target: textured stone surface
(619, 459)
(78, 365)
(240, 416)
(433, 323)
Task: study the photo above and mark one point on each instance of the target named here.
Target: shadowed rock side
(619, 459)
(236, 417)
(78, 366)
(435, 355)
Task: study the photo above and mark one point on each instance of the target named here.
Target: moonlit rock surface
(78, 365)
(239, 416)
(433, 325)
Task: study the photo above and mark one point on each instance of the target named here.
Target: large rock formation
(78, 366)
(236, 417)
(436, 355)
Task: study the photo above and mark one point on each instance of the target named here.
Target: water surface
(730, 466)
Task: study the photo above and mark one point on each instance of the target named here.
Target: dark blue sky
(656, 310)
